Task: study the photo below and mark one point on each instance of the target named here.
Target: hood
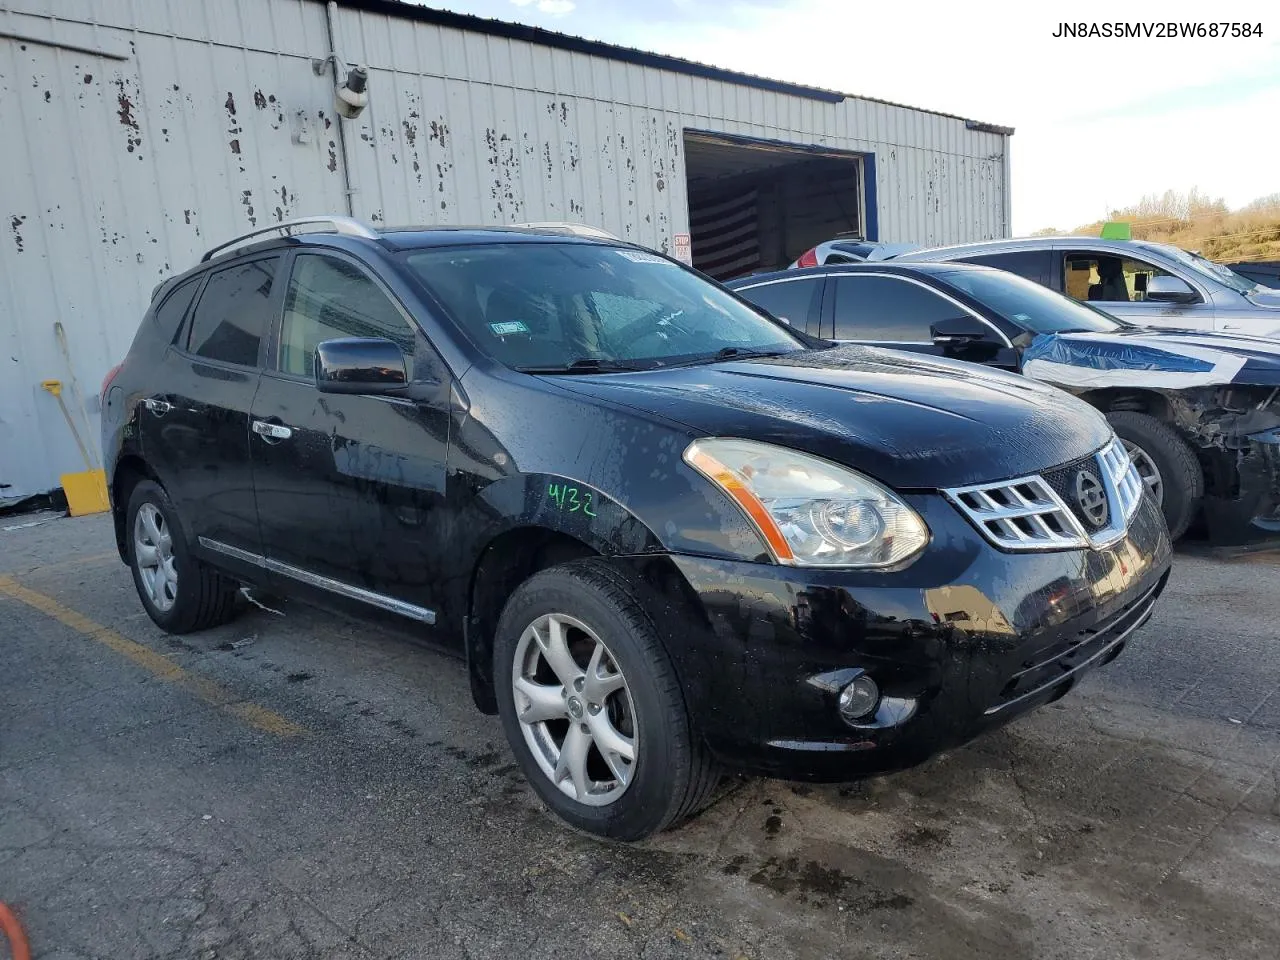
(1166, 359)
(907, 420)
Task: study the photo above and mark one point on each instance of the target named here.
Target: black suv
(669, 534)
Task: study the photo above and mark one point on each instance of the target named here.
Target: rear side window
(171, 313)
(1032, 264)
(329, 299)
(234, 312)
(888, 309)
(789, 300)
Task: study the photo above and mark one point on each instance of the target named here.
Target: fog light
(859, 699)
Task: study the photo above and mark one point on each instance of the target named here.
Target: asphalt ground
(294, 784)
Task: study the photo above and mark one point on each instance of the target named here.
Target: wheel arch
(129, 471)
(1133, 399)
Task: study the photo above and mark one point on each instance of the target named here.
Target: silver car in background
(1150, 284)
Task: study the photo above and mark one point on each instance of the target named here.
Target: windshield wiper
(729, 353)
(584, 365)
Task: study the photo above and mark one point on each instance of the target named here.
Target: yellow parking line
(154, 663)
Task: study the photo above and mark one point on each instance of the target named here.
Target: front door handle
(158, 407)
(272, 432)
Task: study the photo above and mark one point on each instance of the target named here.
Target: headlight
(811, 513)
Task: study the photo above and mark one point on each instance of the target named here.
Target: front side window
(547, 305)
(1105, 278)
(329, 299)
(233, 313)
(1029, 305)
(789, 300)
(888, 309)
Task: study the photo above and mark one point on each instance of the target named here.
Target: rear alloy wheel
(179, 592)
(153, 554)
(1168, 467)
(591, 705)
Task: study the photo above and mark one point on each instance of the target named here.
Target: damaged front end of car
(1235, 432)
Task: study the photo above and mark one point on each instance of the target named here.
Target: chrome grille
(1032, 513)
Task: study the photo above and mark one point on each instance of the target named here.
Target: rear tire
(180, 593)
(1181, 480)
(670, 775)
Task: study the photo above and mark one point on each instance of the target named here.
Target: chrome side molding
(380, 600)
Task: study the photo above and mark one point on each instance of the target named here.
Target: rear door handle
(272, 432)
(158, 407)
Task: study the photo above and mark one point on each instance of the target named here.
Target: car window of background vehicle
(887, 309)
(233, 312)
(789, 300)
(330, 298)
(1108, 279)
(556, 303)
(1029, 305)
(1032, 264)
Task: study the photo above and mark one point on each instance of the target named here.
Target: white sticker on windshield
(640, 256)
(508, 328)
(1024, 317)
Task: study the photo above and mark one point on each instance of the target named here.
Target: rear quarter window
(172, 310)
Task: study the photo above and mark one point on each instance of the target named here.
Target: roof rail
(573, 229)
(344, 225)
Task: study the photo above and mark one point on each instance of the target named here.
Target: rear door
(350, 488)
(795, 300)
(195, 424)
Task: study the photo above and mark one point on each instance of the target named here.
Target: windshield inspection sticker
(508, 328)
(639, 256)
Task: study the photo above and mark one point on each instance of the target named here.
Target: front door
(195, 425)
(1118, 285)
(350, 488)
(902, 313)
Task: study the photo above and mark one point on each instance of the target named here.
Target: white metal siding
(213, 122)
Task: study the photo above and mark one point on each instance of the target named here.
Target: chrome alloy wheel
(575, 709)
(153, 553)
(1148, 472)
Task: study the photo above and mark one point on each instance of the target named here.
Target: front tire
(591, 706)
(1168, 467)
(180, 593)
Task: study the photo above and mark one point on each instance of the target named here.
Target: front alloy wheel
(600, 729)
(575, 709)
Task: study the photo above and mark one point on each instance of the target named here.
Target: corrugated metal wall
(172, 126)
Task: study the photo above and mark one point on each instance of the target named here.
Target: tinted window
(788, 300)
(328, 299)
(233, 312)
(1029, 305)
(1032, 264)
(887, 308)
(548, 304)
(171, 313)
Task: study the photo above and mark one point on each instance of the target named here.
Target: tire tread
(1185, 473)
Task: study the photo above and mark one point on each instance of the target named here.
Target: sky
(1100, 122)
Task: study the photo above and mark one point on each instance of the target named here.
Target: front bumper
(964, 639)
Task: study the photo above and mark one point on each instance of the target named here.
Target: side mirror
(1169, 289)
(960, 332)
(359, 365)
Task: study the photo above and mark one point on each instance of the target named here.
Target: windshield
(1206, 267)
(547, 306)
(1029, 305)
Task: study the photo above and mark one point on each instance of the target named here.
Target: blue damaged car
(1198, 411)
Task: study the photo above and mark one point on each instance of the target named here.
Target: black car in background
(1197, 410)
(668, 534)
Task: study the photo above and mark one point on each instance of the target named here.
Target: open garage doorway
(756, 205)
